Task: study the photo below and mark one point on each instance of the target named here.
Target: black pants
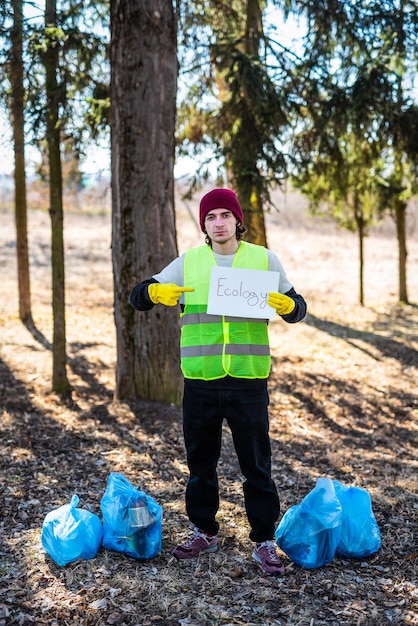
(246, 412)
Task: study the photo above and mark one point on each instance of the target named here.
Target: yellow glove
(283, 304)
(167, 293)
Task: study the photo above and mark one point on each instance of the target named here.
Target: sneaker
(198, 542)
(265, 554)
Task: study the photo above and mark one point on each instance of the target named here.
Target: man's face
(220, 225)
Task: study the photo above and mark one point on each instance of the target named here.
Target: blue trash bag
(360, 533)
(69, 533)
(309, 532)
(132, 520)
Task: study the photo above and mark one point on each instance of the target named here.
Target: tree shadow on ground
(66, 450)
(37, 334)
(387, 346)
(80, 366)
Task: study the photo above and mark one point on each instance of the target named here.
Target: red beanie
(220, 199)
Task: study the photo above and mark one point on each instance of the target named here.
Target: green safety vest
(215, 346)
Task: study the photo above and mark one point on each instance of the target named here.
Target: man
(226, 363)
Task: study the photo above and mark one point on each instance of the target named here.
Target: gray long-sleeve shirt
(174, 273)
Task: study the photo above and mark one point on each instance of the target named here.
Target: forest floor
(343, 404)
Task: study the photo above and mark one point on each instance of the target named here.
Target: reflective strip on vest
(215, 346)
(206, 318)
(229, 349)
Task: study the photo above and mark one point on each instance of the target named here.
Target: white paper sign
(241, 293)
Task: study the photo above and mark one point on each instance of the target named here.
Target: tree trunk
(400, 205)
(143, 95)
(400, 219)
(361, 263)
(247, 191)
(17, 115)
(60, 382)
(252, 208)
(358, 214)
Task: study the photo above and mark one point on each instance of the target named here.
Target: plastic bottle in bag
(132, 520)
(140, 520)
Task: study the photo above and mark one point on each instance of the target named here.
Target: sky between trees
(98, 159)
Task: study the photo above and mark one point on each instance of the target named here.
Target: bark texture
(60, 382)
(143, 95)
(17, 114)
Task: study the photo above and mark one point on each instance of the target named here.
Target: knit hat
(220, 199)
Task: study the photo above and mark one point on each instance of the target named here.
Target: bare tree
(60, 382)
(143, 96)
(17, 114)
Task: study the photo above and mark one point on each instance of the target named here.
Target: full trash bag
(360, 533)
(132, 520)
(309, 532)
(70, 533)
